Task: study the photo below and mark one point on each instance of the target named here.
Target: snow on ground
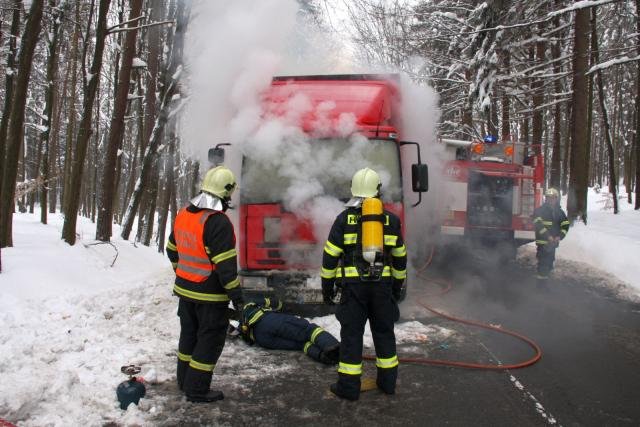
(610, 243)
(72, 316)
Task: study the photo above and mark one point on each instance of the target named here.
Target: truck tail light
(272, 229)
(478, 148)
(508, 150)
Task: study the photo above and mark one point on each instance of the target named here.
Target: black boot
(181, 372)
(210, 396)
(196, 387)
(347, 387)
(386, 380)
(334, 389)
(331, 355)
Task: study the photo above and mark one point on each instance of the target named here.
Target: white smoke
(233, 51)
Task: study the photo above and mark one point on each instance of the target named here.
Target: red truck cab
(279, 247)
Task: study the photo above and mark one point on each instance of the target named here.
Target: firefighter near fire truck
(551, 226)
(366, 258)
(202, 250)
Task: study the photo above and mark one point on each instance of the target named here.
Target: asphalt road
(589, 374)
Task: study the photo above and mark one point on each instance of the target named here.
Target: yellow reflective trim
(399, 252)
(563, 231)
(388, 363)
(332, 249)
(538, 219)
(317, 331)
(350, 238)
(200, 295)
(565, 223)
(352, 219)
(542, 242)
(325, 273)
(184, 357)
(174, 265)
(349, 369)
(549, 223)
(353, 272)
(232, 284)
(390, 240)
(207, 367)
(306, 346)
(171, 247)
(398, 274)
(348, 272)
(543, 230)
(224, 256)
(255, 317)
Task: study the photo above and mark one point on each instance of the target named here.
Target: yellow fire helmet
(552, 192)
(365, 183)
(219, 182)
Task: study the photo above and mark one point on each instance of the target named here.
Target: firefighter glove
(398, 289)
(328, 291)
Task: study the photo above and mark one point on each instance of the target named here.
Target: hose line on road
(446, 286)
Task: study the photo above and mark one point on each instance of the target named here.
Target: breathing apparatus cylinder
(372, 234)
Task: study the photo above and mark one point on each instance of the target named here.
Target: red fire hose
(446, 286)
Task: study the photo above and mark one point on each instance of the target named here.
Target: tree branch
(153, 24)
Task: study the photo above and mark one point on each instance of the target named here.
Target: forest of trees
(88, 89)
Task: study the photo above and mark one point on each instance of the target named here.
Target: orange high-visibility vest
(193, 262)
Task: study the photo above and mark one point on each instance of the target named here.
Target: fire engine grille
(490, 201)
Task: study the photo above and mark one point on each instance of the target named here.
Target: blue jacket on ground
(266, 326)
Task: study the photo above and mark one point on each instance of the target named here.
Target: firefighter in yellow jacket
(203, 254)
(551, 226)
(365, 255)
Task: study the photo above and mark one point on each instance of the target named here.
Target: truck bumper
(294, 287)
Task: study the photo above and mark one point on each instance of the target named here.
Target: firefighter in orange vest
(202, 250)
(371, 280)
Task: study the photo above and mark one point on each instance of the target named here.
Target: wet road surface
(589, 374)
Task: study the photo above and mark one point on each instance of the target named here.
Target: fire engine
(490, 192)
(273, 241)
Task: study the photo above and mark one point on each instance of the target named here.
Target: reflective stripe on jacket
(193, 262)
(549, 221)
(342, 257)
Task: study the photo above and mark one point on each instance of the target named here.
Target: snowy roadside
(609, 243)
(72, 317)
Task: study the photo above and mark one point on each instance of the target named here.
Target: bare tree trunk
(637, 143)
(505, 123)
(613, 180)
(84, 131)
(538, 97)
(167, 186)
(153, 37)
(579, 160)
(71, 125)
(116, 131)
(52, 69)
(16, 120)
(564, 181)
(169, 78)
(54, 156)
(554, 177)
(8, 92)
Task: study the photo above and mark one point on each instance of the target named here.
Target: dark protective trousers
(360, 302)
(281, 331)
(546, 255)
(203, 329)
